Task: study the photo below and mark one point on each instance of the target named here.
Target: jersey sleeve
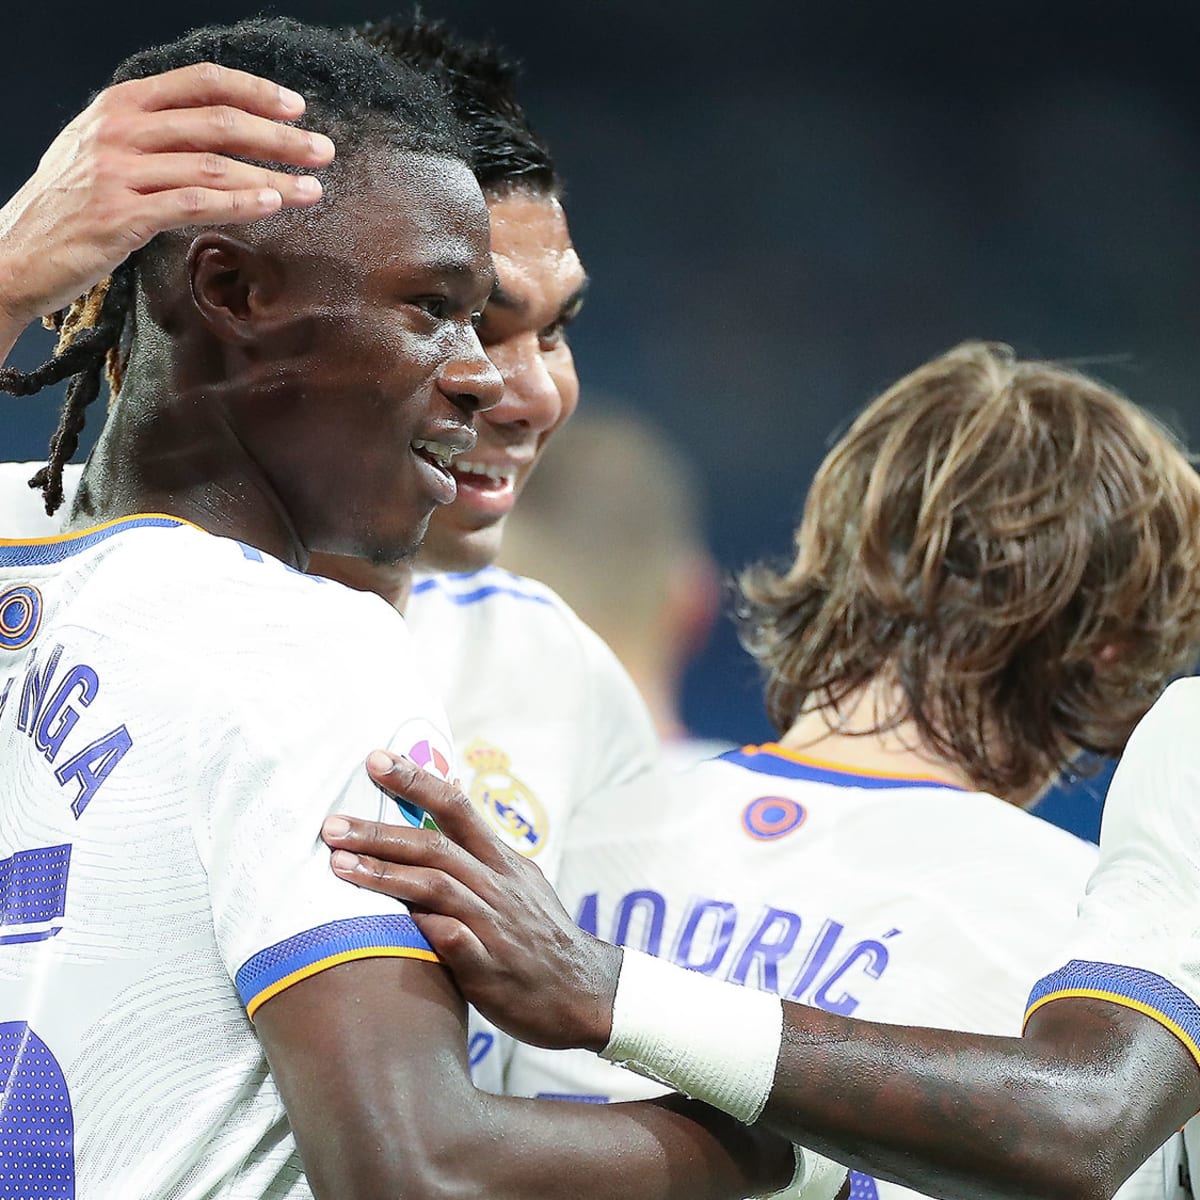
(22, 509)
(624, 744)
(289, 753)
(1137, 940)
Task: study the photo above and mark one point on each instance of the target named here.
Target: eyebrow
(454, 268)
(511, 303)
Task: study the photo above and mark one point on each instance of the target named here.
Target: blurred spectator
(612, 521)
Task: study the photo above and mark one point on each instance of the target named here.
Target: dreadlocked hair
(480, 81)
(90, 340)
(353, 94)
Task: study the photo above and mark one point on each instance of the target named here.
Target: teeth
(507, 474)
(438, 451)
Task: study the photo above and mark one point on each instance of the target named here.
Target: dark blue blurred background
(785, 206)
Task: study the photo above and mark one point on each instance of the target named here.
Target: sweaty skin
(1068, 1110)
(540, 289)
(245, 344)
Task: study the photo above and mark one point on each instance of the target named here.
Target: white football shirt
(178, 713)
(545, 720)
(544, 716)
(896, 900)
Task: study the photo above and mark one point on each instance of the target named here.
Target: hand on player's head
(489, 913)
(146, 156)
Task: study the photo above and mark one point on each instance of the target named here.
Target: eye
(555, 335)
(435, 306)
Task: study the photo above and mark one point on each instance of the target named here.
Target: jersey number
(37, 1127)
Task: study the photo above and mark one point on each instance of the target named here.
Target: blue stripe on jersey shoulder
(1132, 987)
(38, 552)
(314, 949)
(765, 762)
(470, 587)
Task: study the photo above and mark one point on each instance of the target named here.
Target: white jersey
(178, 713)
(890, 899)
(545, 718)
(22, 509)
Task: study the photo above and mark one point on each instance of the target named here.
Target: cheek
(561, 366)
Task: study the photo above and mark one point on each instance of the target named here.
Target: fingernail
(290, 99)
(321, 144)
(269, 198)
(335, 827)
(343, 860)
(310, 185)
(380, 762)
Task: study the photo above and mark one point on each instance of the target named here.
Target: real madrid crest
(504, 799)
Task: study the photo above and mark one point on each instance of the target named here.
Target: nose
(469, 379)
(531, 397)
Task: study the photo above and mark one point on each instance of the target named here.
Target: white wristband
(816, 1178)
(712, 1041)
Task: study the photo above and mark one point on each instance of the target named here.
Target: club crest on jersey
(20, 616)
(507, 802)
(771, 817)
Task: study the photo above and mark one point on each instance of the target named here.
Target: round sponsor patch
(20, 616)
(427, 755)
(771, 817)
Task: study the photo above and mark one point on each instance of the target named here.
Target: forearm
(1069, 1112)
(649, 1150)
(9, 332)
(13, 320)
(370, 1059)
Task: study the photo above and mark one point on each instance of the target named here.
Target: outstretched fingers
(408, 866)
(210, 83)
(440, 882)
(146, 156)
(446, 803)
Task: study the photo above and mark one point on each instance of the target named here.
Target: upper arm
(1133, 1082)
(370, 1061)
(1126, 1001)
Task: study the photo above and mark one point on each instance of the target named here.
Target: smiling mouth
(485, 476)
(438, 453)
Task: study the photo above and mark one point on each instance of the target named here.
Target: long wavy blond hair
(1013, 546)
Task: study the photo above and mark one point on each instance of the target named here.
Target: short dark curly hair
(1012, 546)
(480, 80)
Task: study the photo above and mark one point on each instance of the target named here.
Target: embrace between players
(997, 569)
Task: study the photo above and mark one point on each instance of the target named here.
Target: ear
(233, 284)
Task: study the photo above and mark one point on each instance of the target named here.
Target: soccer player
(997, 567)
(544, 717)
(175, 695)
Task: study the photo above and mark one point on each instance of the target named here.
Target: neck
(178, 460)
(850, 739)
(392, 581)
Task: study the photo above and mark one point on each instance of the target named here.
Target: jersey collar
(773, 759)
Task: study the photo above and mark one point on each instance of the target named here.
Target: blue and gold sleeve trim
(275, 969)
(45, 551)
(1130, 987)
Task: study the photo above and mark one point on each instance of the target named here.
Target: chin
(393, 547)
(447, 548)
